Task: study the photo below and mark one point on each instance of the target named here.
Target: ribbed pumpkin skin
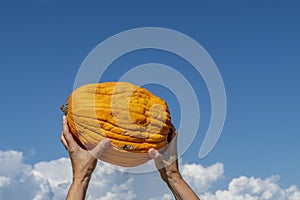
(132, 118)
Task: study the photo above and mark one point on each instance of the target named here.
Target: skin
(83, 165)
(167, 165)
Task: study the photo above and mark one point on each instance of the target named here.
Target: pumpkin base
(114, 156)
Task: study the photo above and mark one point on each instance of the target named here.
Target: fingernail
(152, 153)
(106, 142)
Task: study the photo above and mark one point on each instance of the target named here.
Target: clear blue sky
(255, 45)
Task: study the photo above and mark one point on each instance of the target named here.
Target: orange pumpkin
(132, 118)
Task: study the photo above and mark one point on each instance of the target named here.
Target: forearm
(78, 189)
(180, 189)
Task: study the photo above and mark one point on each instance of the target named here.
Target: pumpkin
(133, 118)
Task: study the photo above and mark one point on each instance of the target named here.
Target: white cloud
(4, 181)
(54, 176)
(17, 178)
(51, 181)
(12, 163)
(163, 197)
(244, 188)
(122, 191)
(202, 178)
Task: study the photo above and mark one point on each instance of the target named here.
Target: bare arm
(83, 163)
(167, 166)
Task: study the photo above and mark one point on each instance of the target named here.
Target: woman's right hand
(167, 165)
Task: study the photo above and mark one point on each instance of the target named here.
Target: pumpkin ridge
(111, 88)
(119, 109)
(111, 136)
(93, 138)
(138, 147)
(120, 126)
(132, 139)
(73, 131)
(132, 136)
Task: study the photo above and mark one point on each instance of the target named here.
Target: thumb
(159, 161)
(100, 148)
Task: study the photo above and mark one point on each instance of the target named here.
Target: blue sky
(255, 45)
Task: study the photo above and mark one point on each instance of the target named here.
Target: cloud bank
(50, 181)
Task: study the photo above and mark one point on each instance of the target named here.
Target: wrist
(81, 179)
(173, 177)
(82, 175)
(180, 188)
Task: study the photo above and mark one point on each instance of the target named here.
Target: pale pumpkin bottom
(122, 158)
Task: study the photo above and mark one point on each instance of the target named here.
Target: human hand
(167, 165)
(83, 163)
(167, 162)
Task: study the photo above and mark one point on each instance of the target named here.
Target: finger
(159, 161)
(65, 126)
(153, 153)
(67, 135)
(171, 147)
(173, 133)
(63, 141)
(100, 148)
